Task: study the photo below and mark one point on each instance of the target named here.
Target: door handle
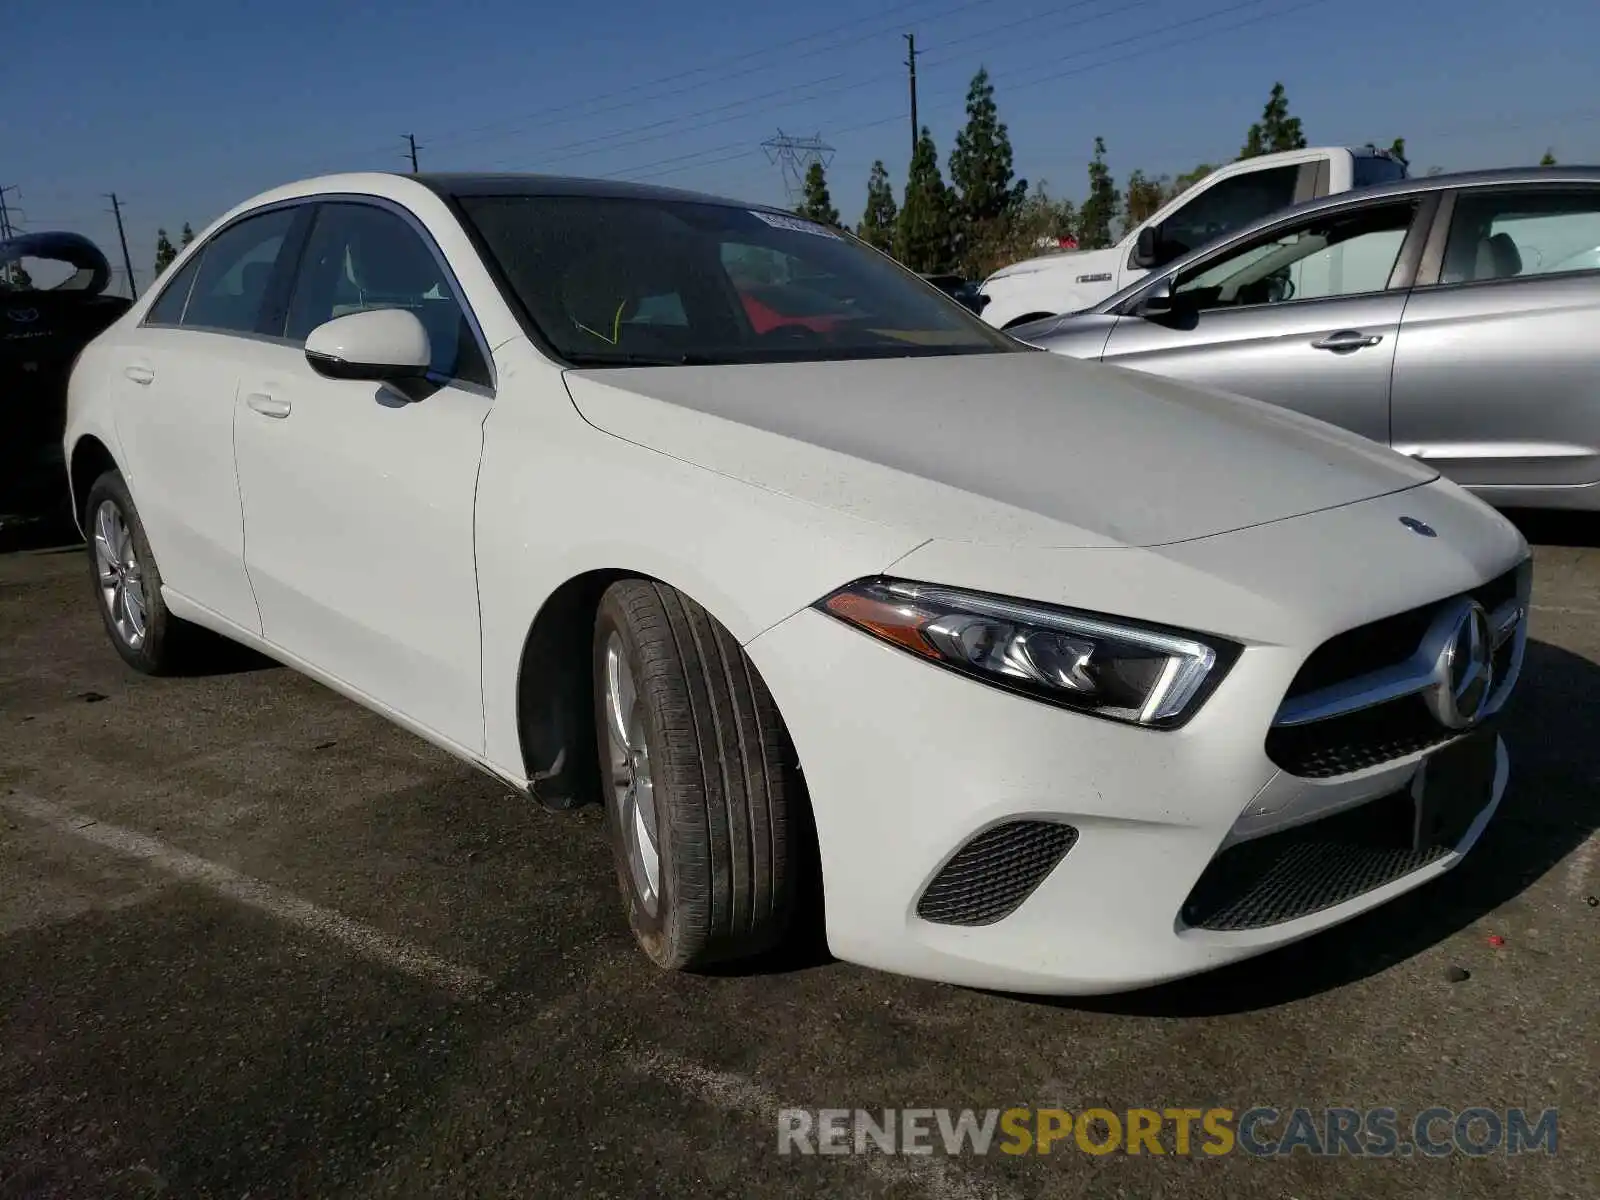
(268, 406)
(1347, 339)
(140, 375)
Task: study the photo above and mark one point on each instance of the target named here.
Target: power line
(738, 110)
(1013, 85)
(501, 129)
(516, 124)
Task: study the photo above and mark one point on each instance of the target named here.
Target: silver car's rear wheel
(120, 577)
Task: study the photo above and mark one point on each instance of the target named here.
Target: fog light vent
(995, 872)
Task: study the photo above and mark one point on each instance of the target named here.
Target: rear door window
(1522, 232)
(235, 271)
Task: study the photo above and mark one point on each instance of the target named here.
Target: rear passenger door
(1497, 374)
(175, 410)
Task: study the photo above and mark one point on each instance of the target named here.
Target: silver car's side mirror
(1158, 301)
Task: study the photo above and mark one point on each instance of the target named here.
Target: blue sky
(185, 108)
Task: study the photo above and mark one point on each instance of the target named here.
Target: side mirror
(1158, 301)
(386, 345)
(1147, 248)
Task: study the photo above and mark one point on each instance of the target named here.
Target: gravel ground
(255, 941)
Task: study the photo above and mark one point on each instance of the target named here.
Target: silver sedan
(1456, 318)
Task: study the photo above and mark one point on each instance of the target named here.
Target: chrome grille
(1364, 698)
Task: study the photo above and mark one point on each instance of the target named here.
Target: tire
(717, 785)
(128, 590)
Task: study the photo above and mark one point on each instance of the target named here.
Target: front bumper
(906, 762)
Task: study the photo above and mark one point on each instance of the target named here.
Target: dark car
(963, 291)
(52, 304)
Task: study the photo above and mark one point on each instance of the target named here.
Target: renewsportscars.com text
(1263, 1132)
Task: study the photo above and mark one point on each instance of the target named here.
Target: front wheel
(701, 784)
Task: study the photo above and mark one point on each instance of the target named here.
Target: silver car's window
(1340, 254)
(1522, 232)
(235, 271)
(360, 257)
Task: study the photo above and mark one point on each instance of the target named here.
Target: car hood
(1017, 449)
(1058, 260)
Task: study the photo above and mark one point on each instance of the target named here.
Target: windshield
(612, 281)
(1370, 170)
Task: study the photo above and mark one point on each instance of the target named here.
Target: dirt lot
(254, 941)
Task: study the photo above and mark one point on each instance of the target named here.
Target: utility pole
(411, 141)
(7, 273)
(116, 209)
(911, 63)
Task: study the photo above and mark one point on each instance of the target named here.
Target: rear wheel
(127, 582)
(701, 785)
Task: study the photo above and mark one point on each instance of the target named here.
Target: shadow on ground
(1550, 809)
(1553, 528)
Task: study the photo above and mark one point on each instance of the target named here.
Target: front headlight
(1096, 664)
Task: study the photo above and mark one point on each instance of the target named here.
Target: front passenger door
(358, 503)
(1305, 315)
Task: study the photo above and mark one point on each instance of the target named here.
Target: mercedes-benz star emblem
(1417, 526)
(1463, 667)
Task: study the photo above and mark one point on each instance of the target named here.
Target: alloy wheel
(119, 574)
(631, 782)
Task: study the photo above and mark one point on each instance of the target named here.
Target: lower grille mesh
(1355, 741)
(995, 872)
(1311, 867)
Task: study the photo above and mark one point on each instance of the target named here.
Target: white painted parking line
(935, 1176)
(373, 944)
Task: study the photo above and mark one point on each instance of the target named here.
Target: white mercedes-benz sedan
(1053, 677)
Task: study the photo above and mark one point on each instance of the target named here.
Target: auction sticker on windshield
(778, 221)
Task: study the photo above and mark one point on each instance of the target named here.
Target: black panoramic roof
(453, 185)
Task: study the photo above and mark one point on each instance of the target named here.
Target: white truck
(1226, 199)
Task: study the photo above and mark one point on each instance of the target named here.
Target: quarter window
(1228, 205)
(360, 257)
(235, 271)
(168, 308)
(1512, 234)
(1338, 254)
